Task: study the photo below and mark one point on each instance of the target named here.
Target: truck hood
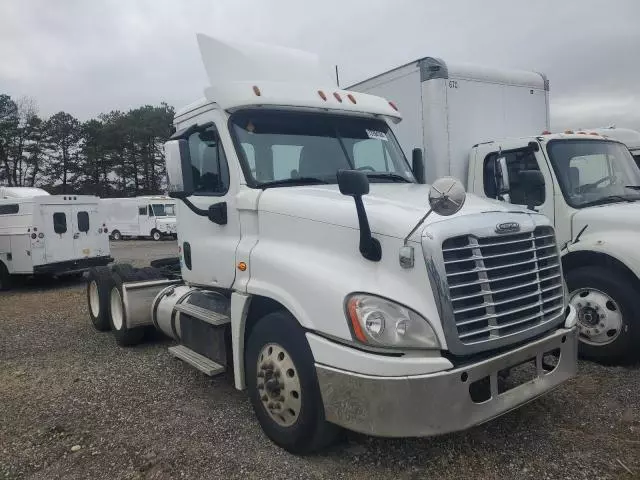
(611, 217)
(393, 209)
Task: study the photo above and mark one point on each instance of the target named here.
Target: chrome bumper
(438, 403)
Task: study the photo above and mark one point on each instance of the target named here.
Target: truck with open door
(338, 288)
(490, 128)
(145, 216)
(42, 234)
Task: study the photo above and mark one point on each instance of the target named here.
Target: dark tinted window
(517, 160)
(142, 210)
(83, 221)
(9, 209)
(59, 222)
(208, 162)
(158, 210)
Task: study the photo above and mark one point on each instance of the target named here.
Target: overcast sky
(87, 57)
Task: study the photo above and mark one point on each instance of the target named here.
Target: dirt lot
(74, 405)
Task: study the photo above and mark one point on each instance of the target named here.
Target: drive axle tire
(99, 283)
(607, 307)
(5, 278)
(125, 336)
(283, 386)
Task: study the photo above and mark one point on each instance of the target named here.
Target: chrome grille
(503, 285)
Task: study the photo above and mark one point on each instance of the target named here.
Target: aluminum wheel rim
(94, 299)
(116, 309)
(599, 316)
(279, 385)
(156, 236)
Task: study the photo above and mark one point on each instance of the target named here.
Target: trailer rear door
(85, 230)
(57, 225)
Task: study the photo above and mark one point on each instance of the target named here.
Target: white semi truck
(144, 216)
(490, 128)
(338, 290)
(42, 234)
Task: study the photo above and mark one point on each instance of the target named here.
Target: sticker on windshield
(376, 135)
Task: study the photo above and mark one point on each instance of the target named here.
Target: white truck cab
(490, 128)
(340, 290)
(42, 234)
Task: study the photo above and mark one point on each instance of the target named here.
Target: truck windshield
(593, 172)
(280, 148)
(159, 210)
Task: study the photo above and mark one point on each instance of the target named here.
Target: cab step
(206, 315)
(202, 363)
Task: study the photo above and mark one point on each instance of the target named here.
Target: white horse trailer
(42, 234)
(152, 216)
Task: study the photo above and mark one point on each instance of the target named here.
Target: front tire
(116, 235)
(608, 310)
(156, 235)
(283, 387)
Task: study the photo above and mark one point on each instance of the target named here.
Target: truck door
(520, 157)
(146, 220)
(57, 225)
(85, 230)
(209, 248)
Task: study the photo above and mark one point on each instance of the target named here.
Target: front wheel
(116, 235)
(283, 387)
(607, 308)
(156, 235)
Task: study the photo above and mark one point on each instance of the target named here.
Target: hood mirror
(447, 196)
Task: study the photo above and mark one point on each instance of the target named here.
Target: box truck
(490, 128)
(338, 290)
(42, 234)
(145, 216)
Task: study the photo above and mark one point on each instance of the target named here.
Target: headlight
(379, 322)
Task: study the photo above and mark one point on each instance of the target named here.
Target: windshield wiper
(609, 199)
(293, 182)
(388, 175)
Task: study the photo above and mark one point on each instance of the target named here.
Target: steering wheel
(366, 167)
(590, 186)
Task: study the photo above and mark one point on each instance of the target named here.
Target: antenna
(337, 77)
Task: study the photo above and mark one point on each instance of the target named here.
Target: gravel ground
(74, 405)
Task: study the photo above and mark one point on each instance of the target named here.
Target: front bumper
(70, 266)
(424, 405)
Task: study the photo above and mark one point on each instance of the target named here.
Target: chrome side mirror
(501, 172)
(447, 196)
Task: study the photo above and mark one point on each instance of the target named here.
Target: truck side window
(517, 160)
(83, 222)
(208, 163)
(142, 210)
(10, 209)
(370, 155)
(150, 208)
(59, 223)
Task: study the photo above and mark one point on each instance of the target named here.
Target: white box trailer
(490, 128)
(145, 216)
(42, 234)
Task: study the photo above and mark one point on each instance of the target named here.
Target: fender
(621, 245)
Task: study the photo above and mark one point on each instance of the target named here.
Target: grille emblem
(508, 227)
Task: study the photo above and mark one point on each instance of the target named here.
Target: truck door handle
(76, 236)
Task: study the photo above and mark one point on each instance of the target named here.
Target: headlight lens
(380, 322)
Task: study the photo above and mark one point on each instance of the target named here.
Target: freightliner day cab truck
(490, 128)
(338, 289)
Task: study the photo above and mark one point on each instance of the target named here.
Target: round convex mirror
(446, 196)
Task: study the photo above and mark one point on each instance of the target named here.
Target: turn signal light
(256, 90)
(242, 266)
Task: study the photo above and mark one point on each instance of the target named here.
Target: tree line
(117, 154)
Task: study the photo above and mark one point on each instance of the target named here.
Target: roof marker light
(546, 132)
(322, 95)
(568, 132)
(256, 90)
(594, 133)
(394, 106)
(337, 96)
(352, 98)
